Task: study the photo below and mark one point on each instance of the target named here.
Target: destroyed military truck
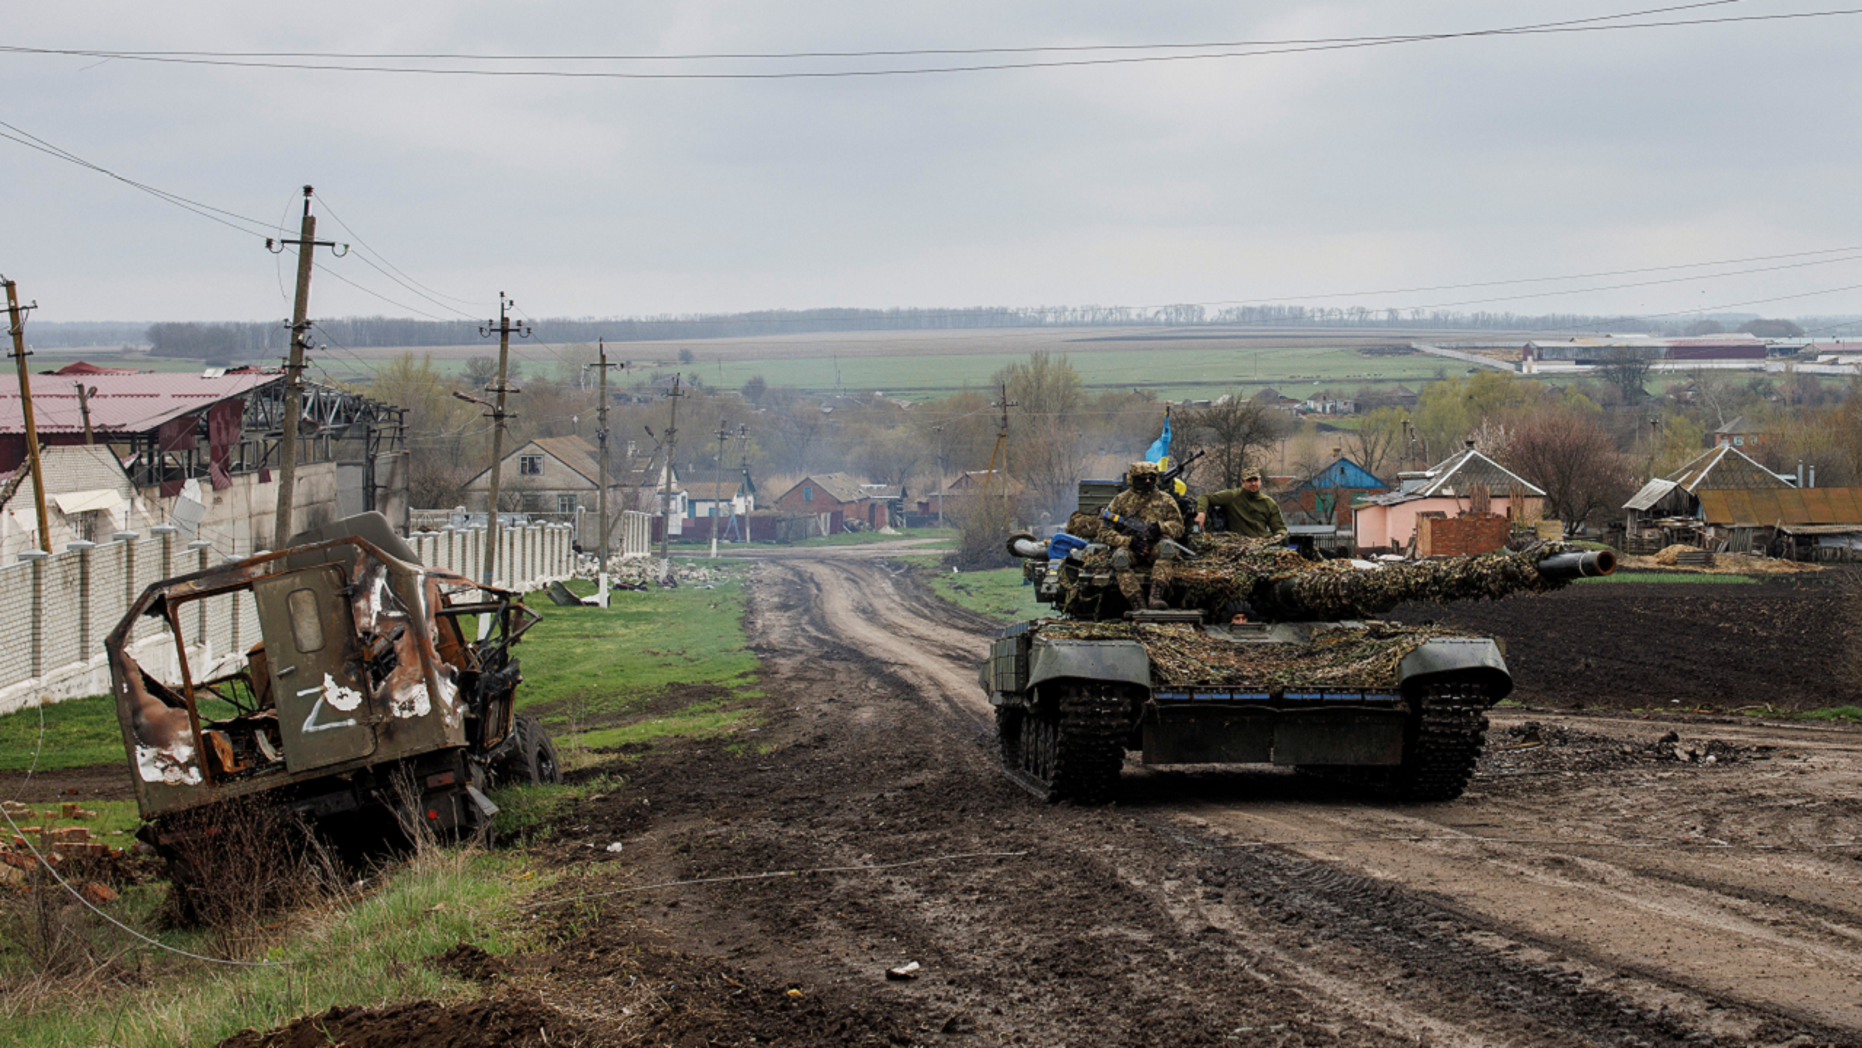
(1264, 657)
(365, 703)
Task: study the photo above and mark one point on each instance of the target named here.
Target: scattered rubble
(637, 573)
(1532, 748)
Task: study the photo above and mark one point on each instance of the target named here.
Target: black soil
(1789, 644)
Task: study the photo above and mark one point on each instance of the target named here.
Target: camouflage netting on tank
(1336, 656)
(1278, 583)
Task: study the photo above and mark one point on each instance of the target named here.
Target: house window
(565, 503)
(808, 493)
(530, 465)
(1739, 442)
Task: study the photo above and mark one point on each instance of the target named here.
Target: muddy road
(1598, 885)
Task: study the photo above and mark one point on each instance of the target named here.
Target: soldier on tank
(1142, 502)
(1248, 512)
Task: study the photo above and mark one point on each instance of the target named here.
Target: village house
(1326, 497)
(1464, 504)
(88, 498)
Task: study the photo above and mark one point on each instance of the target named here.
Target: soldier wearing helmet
(1143, 502)
(1248, 511)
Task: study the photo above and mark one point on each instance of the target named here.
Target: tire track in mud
(1392, 939)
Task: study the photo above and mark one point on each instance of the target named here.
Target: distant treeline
(230, 342)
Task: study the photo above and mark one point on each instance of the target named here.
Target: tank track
(1439, 754)
(1072, 751)
(1447, 744)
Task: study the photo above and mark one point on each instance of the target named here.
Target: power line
(787, 55)
(1257, 52)
(411, 283)
(207, 211)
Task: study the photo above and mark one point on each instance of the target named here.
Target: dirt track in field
(1591, 889)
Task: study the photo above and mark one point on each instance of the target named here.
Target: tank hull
(1413, 723)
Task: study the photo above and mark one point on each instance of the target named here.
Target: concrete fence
(56, 609)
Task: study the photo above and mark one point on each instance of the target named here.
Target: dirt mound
(470, 963)
(506, 1022)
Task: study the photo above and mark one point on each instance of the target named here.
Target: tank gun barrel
(1577, 564)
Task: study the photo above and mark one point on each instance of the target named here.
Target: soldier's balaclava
(1143, 476)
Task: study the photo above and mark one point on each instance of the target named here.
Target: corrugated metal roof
(1724, 468)
(1785, 505)
(123, 403)
(1651, 493)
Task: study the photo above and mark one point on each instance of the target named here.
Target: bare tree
(1568, 453)
(1235, 431)
(1626, 368)
(1377, 438)
(1048, 453)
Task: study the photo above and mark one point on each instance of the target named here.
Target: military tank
(1264, 657)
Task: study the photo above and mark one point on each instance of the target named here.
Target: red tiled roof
(133, 403)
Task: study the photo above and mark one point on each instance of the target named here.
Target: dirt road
(1591, 889)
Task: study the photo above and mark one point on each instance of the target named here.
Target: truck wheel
(536, 754)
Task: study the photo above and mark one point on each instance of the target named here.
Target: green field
(923, 365)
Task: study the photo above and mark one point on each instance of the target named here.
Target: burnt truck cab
(363, 695)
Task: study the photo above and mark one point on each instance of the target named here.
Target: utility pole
(743, 466)
(504, 328)
(601, 437)
(16, 326)
(717, 487)
(939, 430)
(1002, 447)
(307, 244)
(672, 440)
(84, 408)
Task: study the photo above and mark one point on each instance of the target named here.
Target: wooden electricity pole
(672, 439)
(307, 244)
(16, 326)
(601, 438)
(717, 488)
(1002, 448)
(498, 416)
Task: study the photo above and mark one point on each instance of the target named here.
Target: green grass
(587, 668)
(1832, 713)
(527, 812)
(937, 538)
(1000, 594)
(1678, 576)
(367, 954)
(79, 733)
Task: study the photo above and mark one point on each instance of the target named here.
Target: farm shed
(1805, 524)
(1668, 509)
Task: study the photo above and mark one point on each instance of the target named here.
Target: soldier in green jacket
(1249, 512)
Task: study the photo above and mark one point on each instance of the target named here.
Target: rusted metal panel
(323, 708)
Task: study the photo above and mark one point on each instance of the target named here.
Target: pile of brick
(57, 843)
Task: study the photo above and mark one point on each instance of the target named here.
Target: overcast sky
(1360, 171)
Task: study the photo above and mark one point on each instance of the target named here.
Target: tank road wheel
(1071, 750)
(1443, 744)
